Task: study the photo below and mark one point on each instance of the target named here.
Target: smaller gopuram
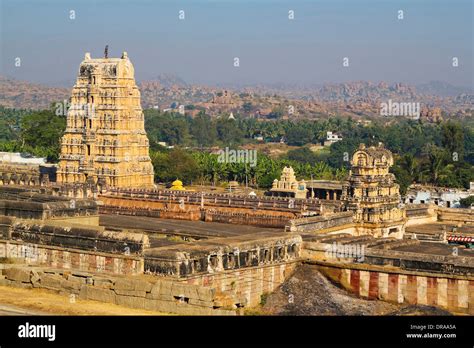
(288, 186)
(372, 193)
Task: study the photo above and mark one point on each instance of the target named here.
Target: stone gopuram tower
(105, 141)
(372, 193)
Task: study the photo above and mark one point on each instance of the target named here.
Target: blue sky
(271, 48)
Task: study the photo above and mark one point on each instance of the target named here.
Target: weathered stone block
(133, 284)
(178, 289)
(103, 283)
(200, 303)
(160, 306)
(155, 289)
(186, 290)
(206, 294)
(35, 276)
(165, 287)
(78, 280)
(18, 274)
(136, 293)
(130, 301)
(97, 294)
(51, 281)
(70, 285)
(158, 296)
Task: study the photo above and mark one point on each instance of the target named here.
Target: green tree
(453, 138)
(203, 130)
(302, 155)
(228, 131)
(467, 202)
(175, 164)
(299, 135)
(41, 133)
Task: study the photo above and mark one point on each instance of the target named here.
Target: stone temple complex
(121, 240)
(105, 141)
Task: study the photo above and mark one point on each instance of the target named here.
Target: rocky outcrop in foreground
(308, 292)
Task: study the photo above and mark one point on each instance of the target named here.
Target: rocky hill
(25, 95)
(359, 98)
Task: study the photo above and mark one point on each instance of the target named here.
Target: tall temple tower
(105, 141)
(372, 193)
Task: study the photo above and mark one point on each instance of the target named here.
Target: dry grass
(48, 302)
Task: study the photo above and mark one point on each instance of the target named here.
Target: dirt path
(17, 301)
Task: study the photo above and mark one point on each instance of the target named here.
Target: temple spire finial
(106, 52)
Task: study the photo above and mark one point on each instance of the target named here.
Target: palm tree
(411, 165)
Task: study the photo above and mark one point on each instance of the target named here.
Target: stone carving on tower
(105, 141)
(372, 193)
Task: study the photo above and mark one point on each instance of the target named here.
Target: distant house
(258, 137)
(333, 137)
(443, 197)
(20, 158)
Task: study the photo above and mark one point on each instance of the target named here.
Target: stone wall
(92, 238)
(405, 261)
(164, 213)
(245, 287)
(418, 214)
(454, 293)
(456, 215)
(263, 220)
(29, 204)
(316, 223)
(221, 200)
(26, 174)
(71, 259)
(190, 211)
(148, 293)
(213, 256)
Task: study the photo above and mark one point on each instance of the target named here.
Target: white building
(19, 158)
(443, 197)
(332, 137)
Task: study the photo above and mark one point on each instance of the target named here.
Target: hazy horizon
(307, 50)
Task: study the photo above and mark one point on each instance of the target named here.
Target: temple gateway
(105, 141)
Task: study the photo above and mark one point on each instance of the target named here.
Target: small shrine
(288, 186)
(177, 185)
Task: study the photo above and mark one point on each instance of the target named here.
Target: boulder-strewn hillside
(359, 98)
(25, 95)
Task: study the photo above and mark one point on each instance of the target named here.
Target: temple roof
(377, 153)
(110, 67)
